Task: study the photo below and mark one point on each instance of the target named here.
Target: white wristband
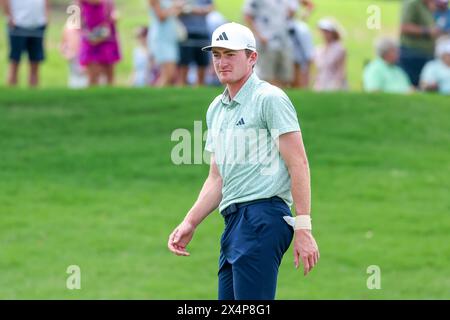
(300, 222)
(303, 222)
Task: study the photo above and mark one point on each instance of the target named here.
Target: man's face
(329, 36)
(431, 4)
(231, 65)
(442, 5)
(391, 56)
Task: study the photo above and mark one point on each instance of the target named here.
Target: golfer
(254, 197)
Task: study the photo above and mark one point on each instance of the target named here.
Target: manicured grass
(86, 179)
(352, 14)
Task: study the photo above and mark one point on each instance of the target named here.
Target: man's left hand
(305, 247)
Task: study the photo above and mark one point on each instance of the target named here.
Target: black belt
(234, 207)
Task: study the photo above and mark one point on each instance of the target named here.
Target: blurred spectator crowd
(168, 50)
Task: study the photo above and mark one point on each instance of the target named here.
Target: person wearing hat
(436, 74)
(258, 169)
(330, 58)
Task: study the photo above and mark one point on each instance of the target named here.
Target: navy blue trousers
(412, 62)
(252, 246)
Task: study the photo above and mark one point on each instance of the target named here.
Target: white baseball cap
(233, 36)
(327, 24)
(330, 24)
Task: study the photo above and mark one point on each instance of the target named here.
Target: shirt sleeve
(308, 43)
(210, 143)
(372, 79)
(428, 75)
(408, 12)
(279, 114)
(293, 5)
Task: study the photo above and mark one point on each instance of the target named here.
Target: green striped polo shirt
(242, 134)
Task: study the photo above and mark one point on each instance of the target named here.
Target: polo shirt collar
(385, 64)
(242, 93)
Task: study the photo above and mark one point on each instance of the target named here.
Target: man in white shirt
(435, 75)
(27, 21)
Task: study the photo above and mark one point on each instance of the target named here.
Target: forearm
(335, 60)
(207, 201)
(429, 86)
(414, 30)
(6, 8)
(301, 187)
(163, 14)
(203, 11)
(251, 25)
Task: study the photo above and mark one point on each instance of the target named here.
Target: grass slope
(86, 179)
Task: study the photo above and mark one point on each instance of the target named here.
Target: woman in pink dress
(99, 50)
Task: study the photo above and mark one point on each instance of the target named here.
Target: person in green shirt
(418, 34)
(258, 169)
(383, 74)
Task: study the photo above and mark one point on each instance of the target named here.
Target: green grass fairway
(86, 179)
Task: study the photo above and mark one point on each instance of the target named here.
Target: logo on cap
(223, 36)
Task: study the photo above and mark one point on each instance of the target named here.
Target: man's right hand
(11, 22)
(435, 32)
(180, 238)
